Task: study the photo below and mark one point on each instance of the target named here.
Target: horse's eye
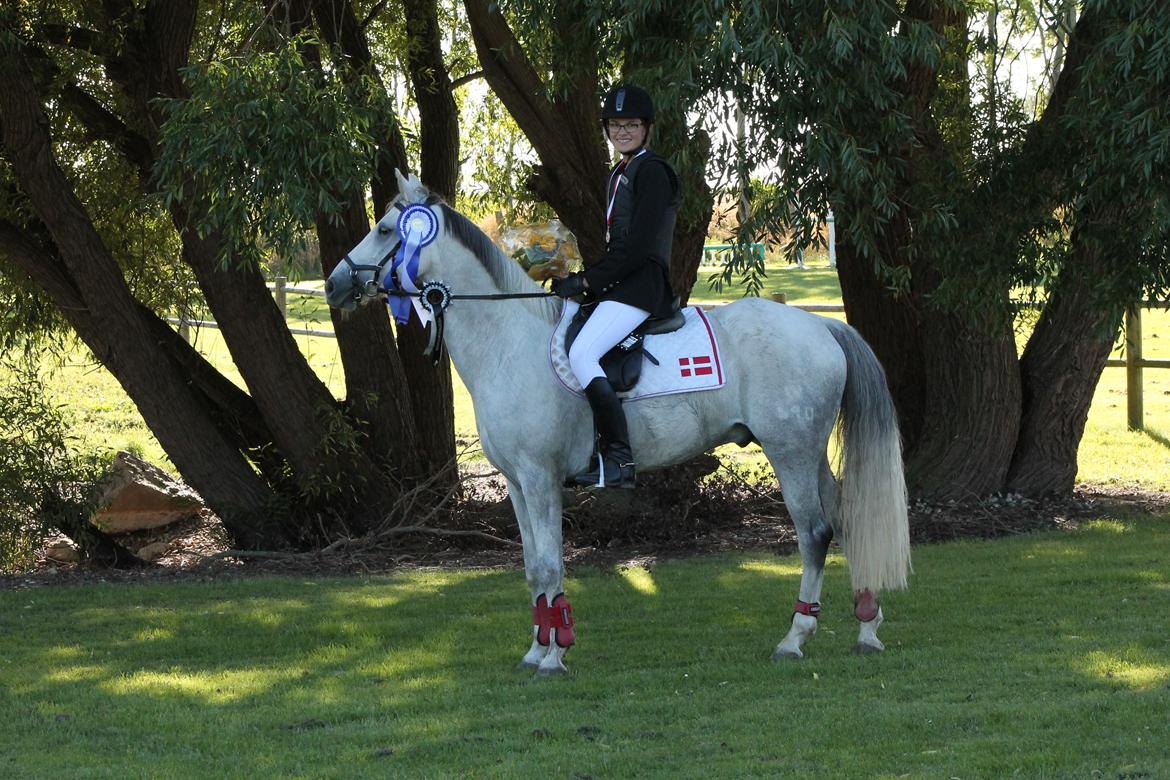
(383, 230)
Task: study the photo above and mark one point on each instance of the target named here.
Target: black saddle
(623, 364)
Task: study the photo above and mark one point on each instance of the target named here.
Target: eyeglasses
(624, 127)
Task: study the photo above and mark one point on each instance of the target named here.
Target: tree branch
(467, 79)
(78, 38)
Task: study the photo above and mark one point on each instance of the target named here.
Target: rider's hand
(571, 286)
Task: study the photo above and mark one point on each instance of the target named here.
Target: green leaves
(265, 143)
(39, 475)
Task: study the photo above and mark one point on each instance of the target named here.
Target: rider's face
(627, 135)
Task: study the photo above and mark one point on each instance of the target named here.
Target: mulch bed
(660, 520)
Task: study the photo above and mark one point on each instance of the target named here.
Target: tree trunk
(1060, 370)
(972, 411)
(890, 327)
(376, 396)
(431, 390)
(177, 418)
(292, 400)
(429, 387)
(563, 130)
(375, 393)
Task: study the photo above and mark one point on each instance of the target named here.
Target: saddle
(623, 364)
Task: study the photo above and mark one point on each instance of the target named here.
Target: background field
(1110, 454)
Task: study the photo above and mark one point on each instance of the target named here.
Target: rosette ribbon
(417, 227)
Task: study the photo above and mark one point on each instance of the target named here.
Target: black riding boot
(617, 462)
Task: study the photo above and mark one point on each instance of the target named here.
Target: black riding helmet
(625, 101)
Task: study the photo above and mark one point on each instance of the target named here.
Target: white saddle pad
(688, 358)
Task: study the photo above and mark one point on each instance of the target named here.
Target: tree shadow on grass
(414, 671)
(1157, 436)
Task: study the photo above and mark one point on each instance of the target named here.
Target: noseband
(370, 288)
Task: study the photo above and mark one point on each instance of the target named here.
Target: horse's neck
(491, 337)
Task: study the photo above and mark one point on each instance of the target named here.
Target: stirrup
(621, 475)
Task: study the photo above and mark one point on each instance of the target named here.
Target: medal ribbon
(417, 227)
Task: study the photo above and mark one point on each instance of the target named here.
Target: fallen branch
(273, 554)
(422, 529)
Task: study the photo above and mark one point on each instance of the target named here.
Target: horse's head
(391, 256)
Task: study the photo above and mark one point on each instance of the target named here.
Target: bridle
(370, 289)
(434, 296)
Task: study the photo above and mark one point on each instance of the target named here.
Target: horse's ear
(410, 188)
(403, 184)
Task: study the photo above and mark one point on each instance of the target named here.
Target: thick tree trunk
(953, 376)
(294, 403)
(209, 463)
(429, 386)
(972, 410)
(431, 390)
(1060, 369)
(890, 327)
(564, 131)
(375, 393)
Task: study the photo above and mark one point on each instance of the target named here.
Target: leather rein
(435, 297)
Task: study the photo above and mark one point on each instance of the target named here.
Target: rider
(630, 282)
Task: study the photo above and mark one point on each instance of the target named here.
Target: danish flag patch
(698, 365)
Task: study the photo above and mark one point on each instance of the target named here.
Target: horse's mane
(505, 272)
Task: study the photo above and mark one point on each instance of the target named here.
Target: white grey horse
(790, 376)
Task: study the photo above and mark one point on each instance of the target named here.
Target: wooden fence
(1133, 362)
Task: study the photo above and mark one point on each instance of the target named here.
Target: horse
(792, 377)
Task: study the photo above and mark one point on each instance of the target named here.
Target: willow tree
(949, 194)
(146, 143)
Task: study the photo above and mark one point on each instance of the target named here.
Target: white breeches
(609, 324)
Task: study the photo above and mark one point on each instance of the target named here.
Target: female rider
(630, 283)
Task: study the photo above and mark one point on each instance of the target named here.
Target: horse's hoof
(549, 672)
(861, 648)
(786, 655)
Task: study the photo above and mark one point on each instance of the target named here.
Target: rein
(435, 297)
(417, 226)
(481, 297)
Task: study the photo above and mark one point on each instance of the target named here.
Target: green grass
(813, 284)
(1043, 656)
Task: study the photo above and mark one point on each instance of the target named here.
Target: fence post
(278, 292)
(832, 239)
(1133, 367)
(184, 329)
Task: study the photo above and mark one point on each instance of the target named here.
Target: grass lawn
(1041, 656)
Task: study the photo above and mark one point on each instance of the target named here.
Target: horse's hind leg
(810, 497)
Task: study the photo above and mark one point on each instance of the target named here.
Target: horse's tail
(874, 530)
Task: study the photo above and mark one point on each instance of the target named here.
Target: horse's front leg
(538, 513)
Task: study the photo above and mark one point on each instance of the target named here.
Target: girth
(623, 364)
